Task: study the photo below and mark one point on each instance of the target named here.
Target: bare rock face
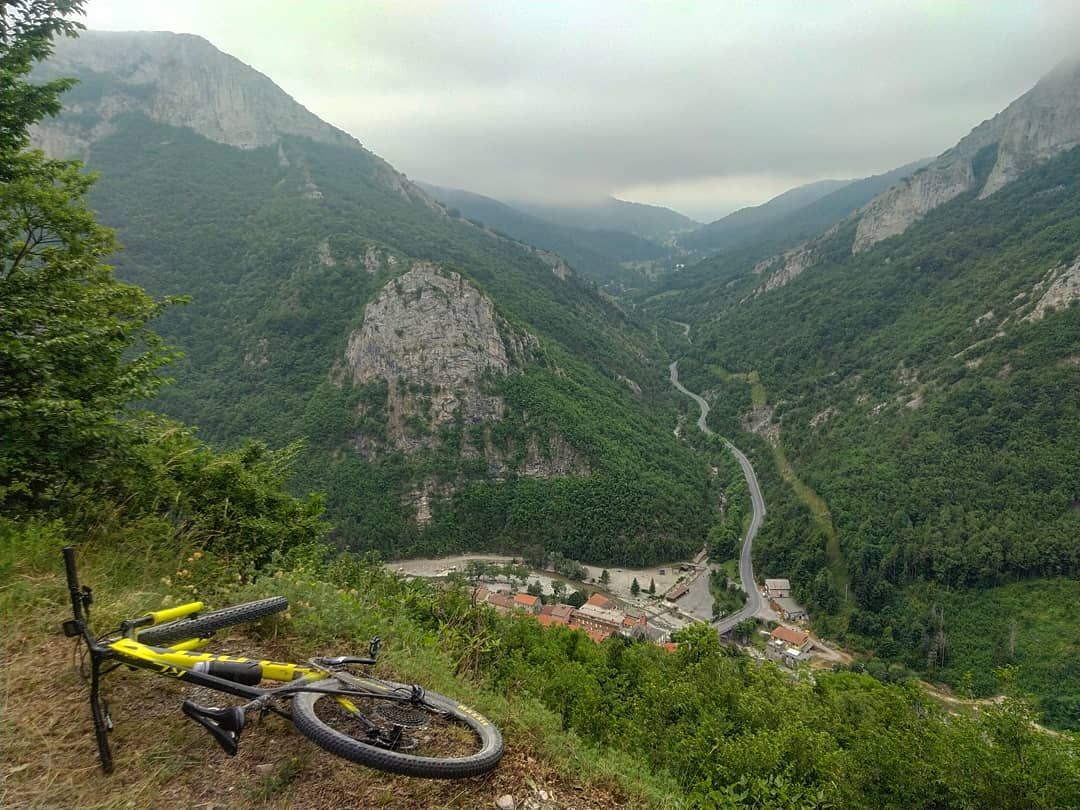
(760, 421)
(1060, 288)
(795, 261)
(893, 212)
(432, 336)
(183, 81)
(553, 260)
(1042, 123)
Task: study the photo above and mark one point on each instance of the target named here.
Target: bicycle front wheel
(204, 624)
(436, 738)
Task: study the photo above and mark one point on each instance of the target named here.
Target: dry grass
(163, 760)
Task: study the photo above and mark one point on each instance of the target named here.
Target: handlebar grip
(73, 587)
(178, 612)
(69, 565)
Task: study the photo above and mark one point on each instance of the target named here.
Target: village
(619, 605)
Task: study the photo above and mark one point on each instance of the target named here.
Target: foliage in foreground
(706, 728)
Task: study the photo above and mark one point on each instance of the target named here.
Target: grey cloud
(585, 99)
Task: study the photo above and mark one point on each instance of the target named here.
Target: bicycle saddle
(224, 724)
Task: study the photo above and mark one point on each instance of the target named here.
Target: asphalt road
(698, 600)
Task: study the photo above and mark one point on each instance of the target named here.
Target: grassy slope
(164, 760)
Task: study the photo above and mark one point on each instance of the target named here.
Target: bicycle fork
(102, 721)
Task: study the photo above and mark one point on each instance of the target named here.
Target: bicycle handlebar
(73, 581)
(80, 599)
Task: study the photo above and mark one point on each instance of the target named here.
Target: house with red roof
(791, 638)
(502, 602)
(557, 614)
(527, 602)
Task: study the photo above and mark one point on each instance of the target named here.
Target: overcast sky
(701, 106)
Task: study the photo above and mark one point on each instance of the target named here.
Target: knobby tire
(486, 738)
(204, 624)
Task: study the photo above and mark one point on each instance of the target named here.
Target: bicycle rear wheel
(437, 738)
(204, 624)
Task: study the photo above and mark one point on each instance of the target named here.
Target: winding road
(698, 597)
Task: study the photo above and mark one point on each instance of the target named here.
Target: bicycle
(394, 727)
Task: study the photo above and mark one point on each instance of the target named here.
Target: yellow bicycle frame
(179, 659)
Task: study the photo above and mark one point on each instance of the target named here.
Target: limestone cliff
(434, 339)
(432, 336)
(1042, 123)
(181, 80)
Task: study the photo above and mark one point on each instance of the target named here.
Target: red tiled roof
(600, 601)
(526, 599)
(794, 637)
(670, 646)
(597, 636)
(548, 620)
(500, 600)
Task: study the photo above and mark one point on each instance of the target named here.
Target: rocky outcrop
(893, 212)
(553, 260)
(1060, 288)
(432, 336)
(184, 81)
(760, 421)
(435, 338)
(795, 261)
(1042, 123)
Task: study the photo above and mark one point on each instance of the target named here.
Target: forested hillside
(294, 240)
(928, 390)
(595, 252)
(161, 518)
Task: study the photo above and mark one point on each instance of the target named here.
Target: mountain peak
(1042, 123)
(176, 79)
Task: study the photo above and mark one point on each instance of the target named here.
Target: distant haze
(703, 107)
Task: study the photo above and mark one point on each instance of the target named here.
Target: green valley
(301, 364)
(926, 395)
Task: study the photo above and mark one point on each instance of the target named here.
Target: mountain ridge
(314, 255)
(1039, 124)
(747, 223)
(180, 80)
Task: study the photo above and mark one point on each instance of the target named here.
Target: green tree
(745, 629)
(652, 587)
(27, 28)
(605, 578)
(635, 589)
(75, 350)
